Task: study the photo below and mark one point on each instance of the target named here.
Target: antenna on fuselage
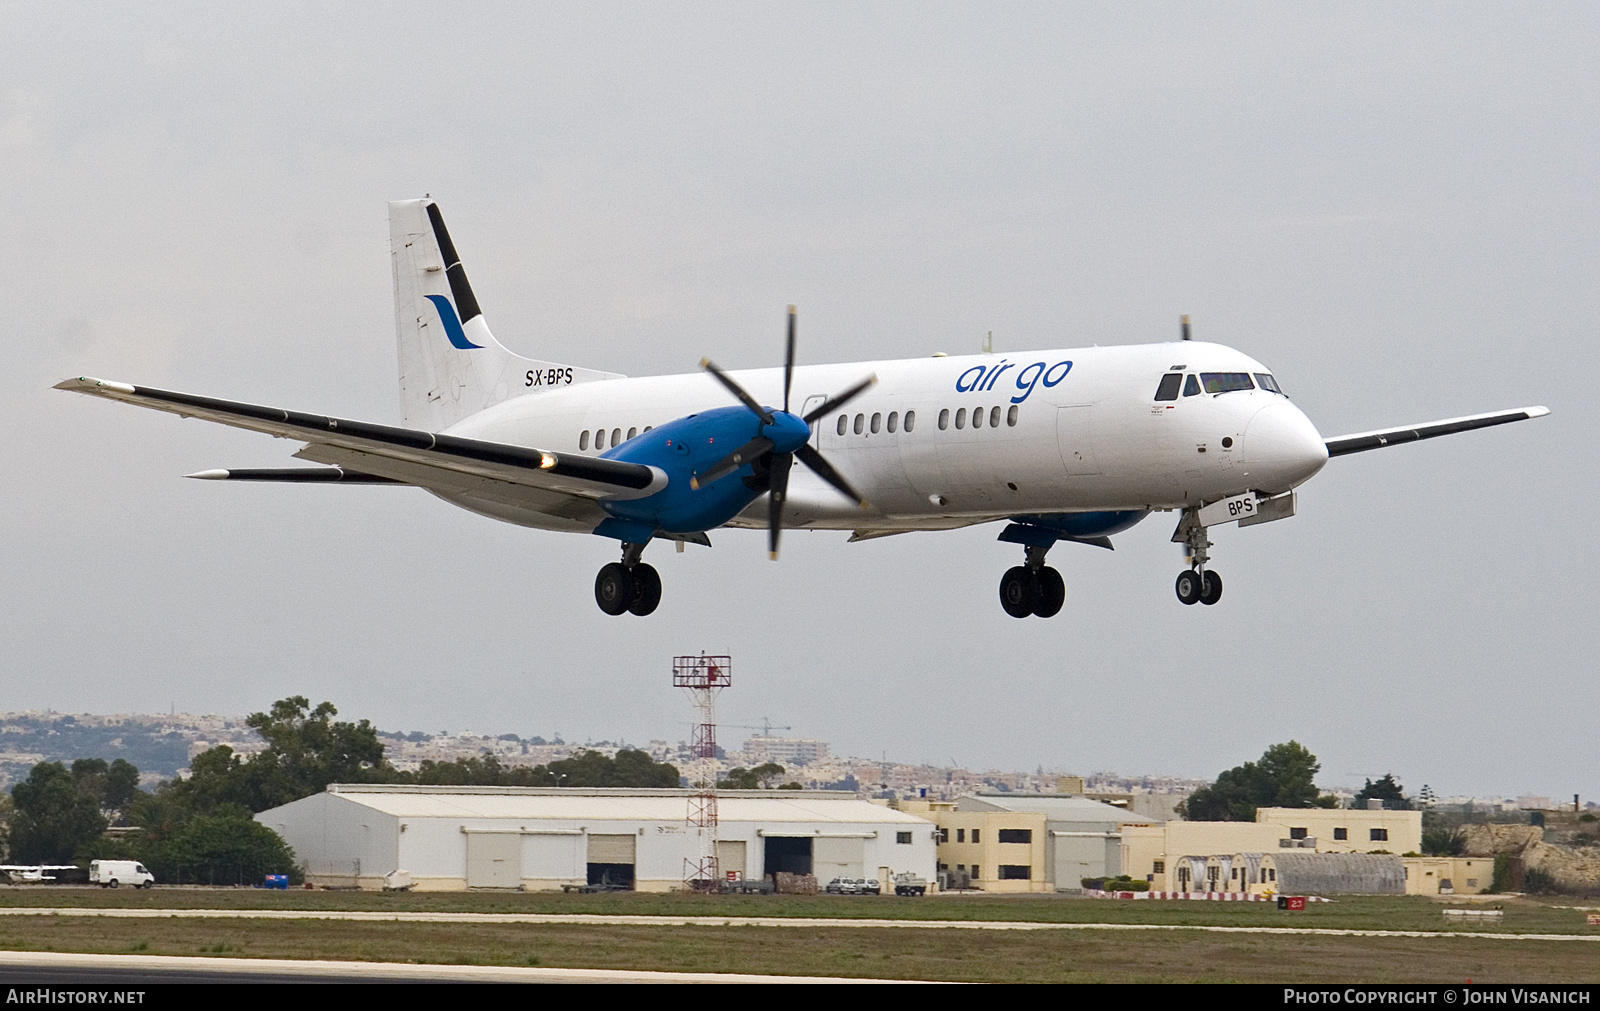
(1184, 324)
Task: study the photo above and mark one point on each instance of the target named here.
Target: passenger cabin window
(911, 421)
(1168, 390)
(894, 421)
(616, 436)
(994, 417)
(961, 418)
(583, 439)
(1011, 417)
(844, 422)
(861, 421)
(632, 432)
(977, 418)
(1191, 387)
(944, 419)
(1226, 382)
(1266, 382)
(877, 423)
(599, 438)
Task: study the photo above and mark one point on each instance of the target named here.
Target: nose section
(788, 432)
(1282, 448)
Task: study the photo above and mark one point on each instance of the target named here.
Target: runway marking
(628, 920)
(397, 971)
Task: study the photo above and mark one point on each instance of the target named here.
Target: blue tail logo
(452, 325)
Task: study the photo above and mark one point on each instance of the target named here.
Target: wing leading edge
(1360, 442)
(581, 476)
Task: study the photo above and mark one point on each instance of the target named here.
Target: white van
(111, 873)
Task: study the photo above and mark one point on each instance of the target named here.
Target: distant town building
(785, 751)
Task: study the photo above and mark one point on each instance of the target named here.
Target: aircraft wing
(418, 454)
(1360, 442)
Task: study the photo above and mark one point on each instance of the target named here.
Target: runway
(600, 919)
(41, 968)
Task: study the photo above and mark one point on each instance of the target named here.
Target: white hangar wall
(451, 838)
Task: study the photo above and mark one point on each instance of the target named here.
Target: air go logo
(981, 378)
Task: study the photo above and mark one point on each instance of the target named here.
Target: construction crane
(766, 728)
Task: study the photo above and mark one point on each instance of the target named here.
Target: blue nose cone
(788, 432)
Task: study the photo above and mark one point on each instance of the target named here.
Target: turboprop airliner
(1072, 444)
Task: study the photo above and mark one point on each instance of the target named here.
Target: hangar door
(611, 859)
(838, 858)
(494, 860)
(731, 857)
(1079, 855)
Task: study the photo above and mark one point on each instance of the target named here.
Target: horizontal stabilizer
(446, 455)
(1362, 441)
(295, 475)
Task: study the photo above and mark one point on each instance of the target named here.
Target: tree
(306, 750)
(226, 848)
(114, 786)
(762, 777)
(1283, 777)
(1387, 790)
(53, 816)
(630, 768)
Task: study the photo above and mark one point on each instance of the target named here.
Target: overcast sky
(1395, 208)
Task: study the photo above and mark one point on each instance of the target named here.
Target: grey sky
(1395, 209)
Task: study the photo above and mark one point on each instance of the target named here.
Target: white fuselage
(1086, 437)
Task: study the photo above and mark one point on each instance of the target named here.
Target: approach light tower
(704, 676)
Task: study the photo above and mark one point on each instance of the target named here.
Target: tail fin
(450, 364)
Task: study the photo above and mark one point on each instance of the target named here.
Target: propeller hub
(788, 432)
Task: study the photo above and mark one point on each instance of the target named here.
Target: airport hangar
(450, 837)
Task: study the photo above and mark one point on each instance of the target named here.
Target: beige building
(1448, 875)
(1178, 855)
(1024, 842)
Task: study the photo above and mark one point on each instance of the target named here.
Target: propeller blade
(737, 390)
(775, 499)
(788, 363)
(841, 399)
(732, 462)
(823, 469)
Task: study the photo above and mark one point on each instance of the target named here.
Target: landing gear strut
(1032, 588)
(1197, 584)
(628, 585)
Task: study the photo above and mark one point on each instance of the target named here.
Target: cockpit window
(1168, 390)
(1226, 382)
(1266, 382)
(1191, 387)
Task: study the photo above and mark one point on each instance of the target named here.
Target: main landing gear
(628, 585)
(1032, 588)
(1196, 584)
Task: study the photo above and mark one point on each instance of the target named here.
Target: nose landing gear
(1032, 588)
(629, 585)
(1197, 584)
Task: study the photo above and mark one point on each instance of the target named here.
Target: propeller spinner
(783, 437)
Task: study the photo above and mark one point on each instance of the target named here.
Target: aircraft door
(814, 401)
(1075, 439)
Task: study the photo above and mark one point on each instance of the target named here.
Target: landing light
(546, 461)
